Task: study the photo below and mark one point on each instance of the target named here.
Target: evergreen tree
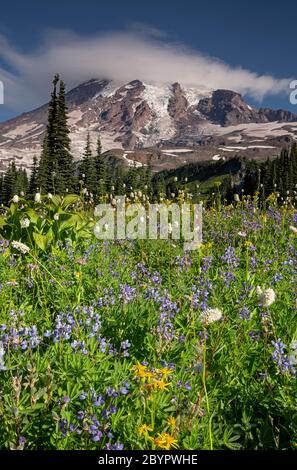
(148, 176)
(102, 177)
(33, 178)
(47, 165)
(15, 181)
(65, 164)
(56, 168)
(132, 178)
(87, 171)
(8, 183)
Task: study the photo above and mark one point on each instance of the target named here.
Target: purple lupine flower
(22, 441)
(281, 358)
(96, 437)
(80, 415)
(127, 293)
(116, 446)
(64, 427)
(244, 313)
(83, 396)
(187, 386)
(99, 401)
(255, 335)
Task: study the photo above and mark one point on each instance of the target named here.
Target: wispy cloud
(142, 52)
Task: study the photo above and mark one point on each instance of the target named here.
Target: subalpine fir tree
(56, 168)
(65, 164)
(132, 178)
(148, 176)
(8, 183)
(47, 164)
(87, 170)
(33, 177)
(22, 182)
(101, 171)
(118, 180)
(1, 187)
(15, 182)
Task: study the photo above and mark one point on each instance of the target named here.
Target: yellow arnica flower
(166, 371)
(140, 370)
(165, 441)
(171, 421)
(77, 274)
(161, 385)
(144, 429)
(149, 375)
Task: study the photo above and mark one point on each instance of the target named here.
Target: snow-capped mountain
(161, 117)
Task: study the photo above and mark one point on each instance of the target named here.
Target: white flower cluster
(293, 355)
(37, 198)
(20, 247)
(210, 315)
(2, 354)
(25, 223)
(266, 297)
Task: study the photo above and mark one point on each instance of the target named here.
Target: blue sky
(260, 37)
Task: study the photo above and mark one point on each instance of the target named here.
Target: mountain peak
(144, 114)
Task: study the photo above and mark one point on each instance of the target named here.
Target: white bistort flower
(56, 216)
(293, 229)
(25, 223)
(266, 297)
(20, 247)
(2, 354)
(210, 315)
(293, 353)
(15, 198)
(37, 198)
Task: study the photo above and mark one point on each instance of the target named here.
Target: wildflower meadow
(139, 344)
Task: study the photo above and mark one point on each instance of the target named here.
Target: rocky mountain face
(228, 108)
(157, 119)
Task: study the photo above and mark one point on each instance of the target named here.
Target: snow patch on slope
(132, 163)
(195, 94)
(19, 131)
(157, 97)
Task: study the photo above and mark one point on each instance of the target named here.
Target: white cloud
(142, 53)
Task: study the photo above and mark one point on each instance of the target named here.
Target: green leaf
(70, 199)
(40, 240)
(2, 221)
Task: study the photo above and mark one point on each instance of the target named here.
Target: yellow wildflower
(171, 421)
(149, 375)
(77, 274)
(144, 429)
(166, 441)
(161, 385)
(140, 370)
(166, 371)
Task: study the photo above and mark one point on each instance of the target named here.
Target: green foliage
(79, 317)
(43, 225)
